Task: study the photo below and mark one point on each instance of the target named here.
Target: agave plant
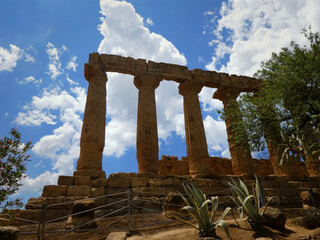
(198, 207)
(247, 203)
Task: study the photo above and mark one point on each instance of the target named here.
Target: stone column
(312, 166)
(287, 168)
(94, 121)
(241, 159)
(147, 129)
(197, 148)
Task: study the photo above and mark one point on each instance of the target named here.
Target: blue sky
(44, 45)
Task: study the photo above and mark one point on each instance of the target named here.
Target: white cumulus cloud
(9, 57)
(258, 28)
(72, 65)
(54, 65)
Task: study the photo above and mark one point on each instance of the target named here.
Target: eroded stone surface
(147, 130)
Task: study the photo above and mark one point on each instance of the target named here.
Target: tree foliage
(13, 159)
(286, 112)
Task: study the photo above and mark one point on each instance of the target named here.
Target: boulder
(9, 233)
(308, 201)
(309, 218)
(79, 221)
(274, 217)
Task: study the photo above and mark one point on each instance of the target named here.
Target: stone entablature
(173, 72)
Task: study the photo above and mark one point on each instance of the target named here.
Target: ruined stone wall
(171, 165)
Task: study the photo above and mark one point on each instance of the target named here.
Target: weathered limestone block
(161, 182)
(202, 182)
(96, 192)
(119, 180)
(54, 190)
(34, 215)
(4, 222)
(262, 167)
(140, 182)
(117, 192)
(84, 191)
(153, 191)
(100, 182)
(126, 65)
(80, 219)
(9, 233)
(170, 165)
(207, 78)
(216, 191)
(36, 203)
(82, 181)
(66, 180)
(169, 71)
(221, 166)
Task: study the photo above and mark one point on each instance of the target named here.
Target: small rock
(316, 234)
(310, 218)
(117, 236)
(9, 233)
(274, 217)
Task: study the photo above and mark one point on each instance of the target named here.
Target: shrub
(247, 203)
(13, 160)
(198, 207)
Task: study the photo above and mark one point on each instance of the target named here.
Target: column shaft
(197, 148)
(241, 159)
(147, 129)
(93, 128)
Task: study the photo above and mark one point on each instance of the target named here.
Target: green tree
(13, 159)
(286, 112)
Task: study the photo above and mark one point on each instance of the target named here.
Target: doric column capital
(147, 81)
(188, 87)
(226, 94)
(94, 71)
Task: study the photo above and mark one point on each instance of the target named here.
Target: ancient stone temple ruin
(166, 175)
(147, 77)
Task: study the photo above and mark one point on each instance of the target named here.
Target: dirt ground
(169, 231)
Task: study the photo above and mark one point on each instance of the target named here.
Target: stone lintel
(173, 72)
(226, 94)
(178, 73)
(126, 65)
